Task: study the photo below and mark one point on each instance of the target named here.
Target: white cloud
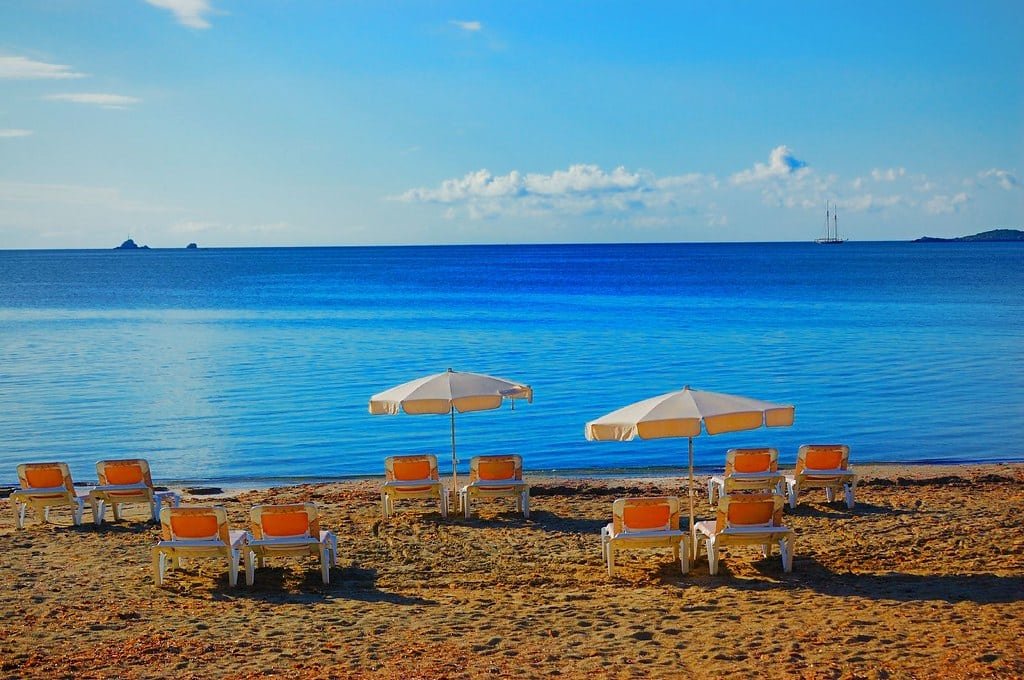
(888, 175)
(107, 101)
(22, 68)
(781, 164)
(872, 203)
(471, 26)
(1003, 178)
(941, 204)
(580, 189)
(191, 13)
(14, 132)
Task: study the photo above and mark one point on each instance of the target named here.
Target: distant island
(191, 246)
(991, 236)
(130, 245)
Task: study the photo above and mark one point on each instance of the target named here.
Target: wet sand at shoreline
(924, 578)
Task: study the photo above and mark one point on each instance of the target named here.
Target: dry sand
(925, 578)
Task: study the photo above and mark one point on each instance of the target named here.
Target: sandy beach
(924, 578)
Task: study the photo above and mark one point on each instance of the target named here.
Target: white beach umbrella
(449, 392)
(682, 414)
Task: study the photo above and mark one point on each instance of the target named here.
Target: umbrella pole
(455, 466)
(691, 488)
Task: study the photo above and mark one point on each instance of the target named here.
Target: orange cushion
(194, 526)
(759, 512)
(646, 516)
(44, 477)
(752, 462)
(285, 523)
(123, 474)
(496, 469)
(823, 459)
(411, 470)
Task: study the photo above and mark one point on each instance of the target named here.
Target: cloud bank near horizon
(784, 181)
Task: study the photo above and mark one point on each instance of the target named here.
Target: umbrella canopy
(449, 392)
(684, 414)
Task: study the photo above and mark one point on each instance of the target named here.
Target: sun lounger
(746, 519)
(639, 523)
(45, 486)
(127, 481)
(197, 532)
(290, 531)
(747, 470)
(823, 466)
(412, 477)
(496, 477)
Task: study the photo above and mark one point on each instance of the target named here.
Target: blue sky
(282, 122)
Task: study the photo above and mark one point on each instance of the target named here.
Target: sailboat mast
(826, 221)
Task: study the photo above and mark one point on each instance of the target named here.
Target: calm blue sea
(256, 364)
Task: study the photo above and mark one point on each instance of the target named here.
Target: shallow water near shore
(257, 364)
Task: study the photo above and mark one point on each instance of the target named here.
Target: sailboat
(831, 228)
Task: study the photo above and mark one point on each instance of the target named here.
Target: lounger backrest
(280, 521)
(495, 468)
(749, 510)
(410, 468)
(822, 457)
(195, 523)
(761, 459)
(45, 476)
(645, 514)
(123, 472)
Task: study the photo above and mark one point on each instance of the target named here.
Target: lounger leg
(792, 491)
(325, 564)
(526, 504)
(766, 549)
(712, 548)
(711, 492)
(159, 566)
(464, 498)
(848, 495)
(384, 505)
(830, 494)
(444, 503)
(611, 560)
(156, 506)
(46, 514)
(250, 567)
(20, 514)
(684, 555)
(79, 510)
(786, 548)
(99, 511)
(233, 558)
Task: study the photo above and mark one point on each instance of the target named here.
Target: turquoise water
(257, 364)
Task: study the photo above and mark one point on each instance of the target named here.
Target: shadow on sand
(809, 574)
